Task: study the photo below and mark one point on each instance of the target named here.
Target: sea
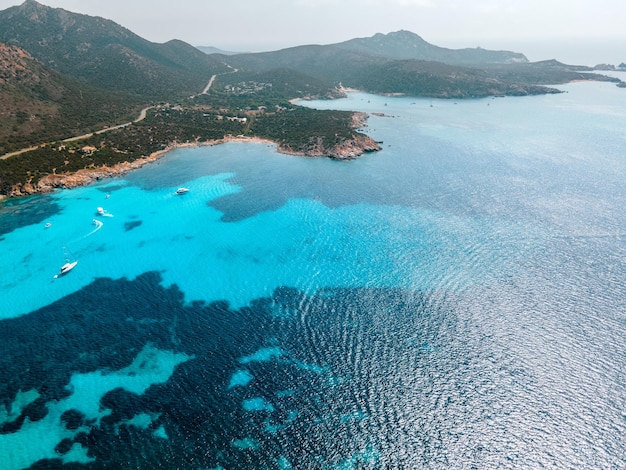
(454, 301)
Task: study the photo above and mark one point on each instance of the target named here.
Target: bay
(455, 300)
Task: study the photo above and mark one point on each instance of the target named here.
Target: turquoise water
(454, 300)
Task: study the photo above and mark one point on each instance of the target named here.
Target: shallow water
(456, 300)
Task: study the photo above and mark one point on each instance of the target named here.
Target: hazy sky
(541, 29)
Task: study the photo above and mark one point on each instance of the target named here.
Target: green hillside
(104, 54)
(38, 104)
(403, 62)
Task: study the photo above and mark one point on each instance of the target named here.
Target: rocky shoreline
(347, 150)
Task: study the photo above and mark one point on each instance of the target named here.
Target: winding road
(142, 115)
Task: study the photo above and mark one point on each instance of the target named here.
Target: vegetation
(76, 112)
(549, 71)
(299, 129)
(438, 80)
(293, 127)
(39, 104)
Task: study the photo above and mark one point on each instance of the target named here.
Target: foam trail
(98, 225)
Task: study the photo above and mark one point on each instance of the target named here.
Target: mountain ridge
(106, 55)
(101, 52)
(405, 44)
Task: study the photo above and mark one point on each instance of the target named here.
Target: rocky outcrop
(606, 67)
(354, 148)
(346, 150)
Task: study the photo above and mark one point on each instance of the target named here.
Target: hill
(104, 54)
(379, 74)
(402, 62)
(403, 45)
(38, 104)
(438, 80)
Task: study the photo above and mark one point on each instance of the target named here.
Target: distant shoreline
(83, 177)
(86, 176)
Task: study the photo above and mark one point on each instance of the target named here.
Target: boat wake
(98, 225)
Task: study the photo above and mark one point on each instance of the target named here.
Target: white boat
(103, 213)
(48, 225)
(67, 267)
(182, 190)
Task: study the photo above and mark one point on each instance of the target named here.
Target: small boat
(103, 213)
(68, 266)
(182, 190)
(48, 225)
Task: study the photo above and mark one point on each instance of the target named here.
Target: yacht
(182, 190)
(67, 267)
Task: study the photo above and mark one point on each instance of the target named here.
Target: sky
(574, 31)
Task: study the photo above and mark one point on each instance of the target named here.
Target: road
(142, 115)
(206, 88)
(210, 84)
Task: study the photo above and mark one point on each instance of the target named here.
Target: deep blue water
(456, 300)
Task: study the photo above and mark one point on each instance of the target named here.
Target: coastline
(348, 150)
(86, 176)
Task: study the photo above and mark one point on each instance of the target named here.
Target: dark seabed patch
(128, 226)
(20, 212)
(110, 188)
(287, 379)
(341, 378)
